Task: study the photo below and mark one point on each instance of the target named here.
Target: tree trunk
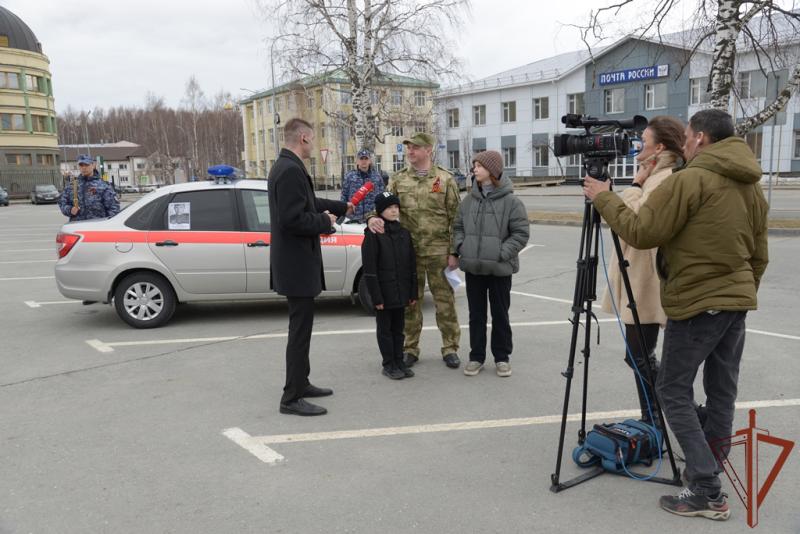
(721, 76)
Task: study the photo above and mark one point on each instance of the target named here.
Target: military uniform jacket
(96, 199)
(428, 208)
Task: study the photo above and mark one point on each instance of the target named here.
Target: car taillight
(65, 242)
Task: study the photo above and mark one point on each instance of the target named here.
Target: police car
(197, 241)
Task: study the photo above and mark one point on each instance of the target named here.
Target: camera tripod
(584, 295)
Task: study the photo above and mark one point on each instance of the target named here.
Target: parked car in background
(196, 241)
(3, 197)
(461, 180)
(44, 193)
(146, 188)
(128, 189)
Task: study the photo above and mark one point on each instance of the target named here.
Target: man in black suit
(297, 218)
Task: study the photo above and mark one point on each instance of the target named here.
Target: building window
(797, 144)
(271, 135)
(312, 168)
(269, 105)
(277, 104)
(253, 138)
(374, 97)
(419, 98)
(697, 91)
(396, 129)
(9, 80)
(397, 97)
(420, 127)
(350, 162)
(509, 111)
(322, 128)
(614, 100)
(541, 156)
(346, 97)
(289, 102)
(35, 83)
(261, 137)
(453, 158)
(743, 80)
(12, 121)
(452, 118)
(18, 159)
(378, 160)
(754, 140)
(39, 123)
(575, 104)
(510, 157)
(479, 115)
(47, 159)
(575, 160)
(139, 166)
(397, 163)
(123, 166)
(655, 96)
(541, 108)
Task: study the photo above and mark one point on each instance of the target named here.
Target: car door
(198, 239)
(254, 215)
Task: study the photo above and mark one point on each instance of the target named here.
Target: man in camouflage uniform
(429, 202)
(88, 196)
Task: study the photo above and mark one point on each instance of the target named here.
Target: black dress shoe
(314, 391)
(410, 359)
(406, 371)
(302, 407)
(394, 374)
(451, 360)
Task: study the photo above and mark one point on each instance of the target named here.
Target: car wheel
(364, 298)
(145, 300)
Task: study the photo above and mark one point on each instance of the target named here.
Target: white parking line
(43, 240)
(27, 261)
(36, 304)
(253, 445)
(28, 278)
(527, 248)
(48, 249)
(101, 346)
(534, 295)
(257, 445)
(772, 334)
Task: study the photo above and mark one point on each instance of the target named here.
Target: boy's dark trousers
(499, 290)
(715, 342)
(390, 325)
(650, 340)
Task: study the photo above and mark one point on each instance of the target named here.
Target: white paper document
(452, 278)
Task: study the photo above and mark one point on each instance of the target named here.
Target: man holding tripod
(709, 221)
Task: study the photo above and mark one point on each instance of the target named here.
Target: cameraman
(709, 221)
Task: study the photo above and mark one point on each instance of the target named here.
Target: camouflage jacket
(428, 208)
(96, 199)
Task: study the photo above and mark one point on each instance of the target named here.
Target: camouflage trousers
(432, 268)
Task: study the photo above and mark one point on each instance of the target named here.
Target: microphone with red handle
(359, 195)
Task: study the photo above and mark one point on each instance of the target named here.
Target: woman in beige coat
(661, 152)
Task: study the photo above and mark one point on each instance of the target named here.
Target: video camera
(598, 148)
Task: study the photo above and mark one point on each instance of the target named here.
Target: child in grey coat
(490, 230)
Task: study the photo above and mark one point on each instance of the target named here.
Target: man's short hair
(294, 128)
(715, 123)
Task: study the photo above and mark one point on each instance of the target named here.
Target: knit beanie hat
(491, 160)
(384, 200)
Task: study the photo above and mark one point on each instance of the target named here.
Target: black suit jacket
(296, 222)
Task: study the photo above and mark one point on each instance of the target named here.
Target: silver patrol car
(197, 241)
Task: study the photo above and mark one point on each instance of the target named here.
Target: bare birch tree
(363, 39)
(722, 29)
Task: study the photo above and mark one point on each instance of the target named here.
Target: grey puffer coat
(491, 230)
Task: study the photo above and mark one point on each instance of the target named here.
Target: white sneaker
(503, 369)
(473, 368)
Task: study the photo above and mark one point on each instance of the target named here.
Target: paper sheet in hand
(452, 278)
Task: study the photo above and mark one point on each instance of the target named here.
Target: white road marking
(528, 247)
(257, 445)
(109, 347)
(37, 304)
(27, 261)
(253, 445)
(48, 249)
(772, 334)
(542, 297)
(28, 278)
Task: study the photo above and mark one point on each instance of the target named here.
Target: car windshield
(46, 188)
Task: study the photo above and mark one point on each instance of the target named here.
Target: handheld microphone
(359, 195)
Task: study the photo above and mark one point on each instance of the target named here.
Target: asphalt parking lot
(104, 428)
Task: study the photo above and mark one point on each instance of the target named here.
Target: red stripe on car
(99, 236)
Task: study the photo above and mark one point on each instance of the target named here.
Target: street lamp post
(276, 118)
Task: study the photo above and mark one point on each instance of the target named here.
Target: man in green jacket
(709, 221)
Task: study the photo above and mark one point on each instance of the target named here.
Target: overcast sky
(107, 53)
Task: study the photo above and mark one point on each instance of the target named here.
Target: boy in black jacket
(390, 272)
